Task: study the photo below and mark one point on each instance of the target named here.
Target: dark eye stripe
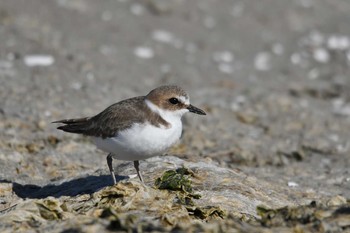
(173, 100)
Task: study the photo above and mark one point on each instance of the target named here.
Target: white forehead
(184, 99)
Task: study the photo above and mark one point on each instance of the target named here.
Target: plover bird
(137, 128)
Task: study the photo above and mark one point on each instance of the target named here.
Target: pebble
(338, 42)
(144, 52)
(295, 58)
(316, 38)
(263, 61)
(340, 107)
(42, 124)
(292, 184)
(321, 55)
(277, 49)
(224, 56)
(76, 85)
(39, 60)
(163, 36)
(137, 9)
(337, 201)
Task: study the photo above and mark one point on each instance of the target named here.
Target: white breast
(143, 141)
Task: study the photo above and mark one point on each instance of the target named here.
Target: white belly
(141, 141)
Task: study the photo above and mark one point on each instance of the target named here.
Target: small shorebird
(137, 128)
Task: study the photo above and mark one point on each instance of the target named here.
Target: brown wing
(115, 118)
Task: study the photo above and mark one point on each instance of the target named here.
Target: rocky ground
(272, 155)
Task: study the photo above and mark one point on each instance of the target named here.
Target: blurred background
(273, 76)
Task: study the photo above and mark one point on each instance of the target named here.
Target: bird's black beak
(196, 110)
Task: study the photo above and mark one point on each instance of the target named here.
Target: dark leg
(110, 166)
(136, 165)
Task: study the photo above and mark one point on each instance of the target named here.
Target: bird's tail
(78, 126)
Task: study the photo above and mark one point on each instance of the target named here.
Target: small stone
(224, 56)
(321, 55)
(337, 201)
(278, 49)
(47, 113)
(137, 9)
(33, 148)
(39, 60)
(338, 42)
(295, 58)
(292, 184)
(163, 36)
(341, 107)
(263, 61)
(247, 117)
(76, 85)
(5, 190)
(316, 38)
(314, 74)
(42, 124)
(53, 140)
(144, 52)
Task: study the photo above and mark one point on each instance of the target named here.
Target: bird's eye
(173, 100)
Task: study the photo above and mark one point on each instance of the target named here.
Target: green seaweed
(50, 209)
(175, 180)
(206, 212)
(179, 181)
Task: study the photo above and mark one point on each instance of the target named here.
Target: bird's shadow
(85, 185)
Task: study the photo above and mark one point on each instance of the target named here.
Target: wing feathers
(116, 117)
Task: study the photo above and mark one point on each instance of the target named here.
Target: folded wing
(116, 117)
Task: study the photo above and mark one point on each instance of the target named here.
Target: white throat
(173, 117)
